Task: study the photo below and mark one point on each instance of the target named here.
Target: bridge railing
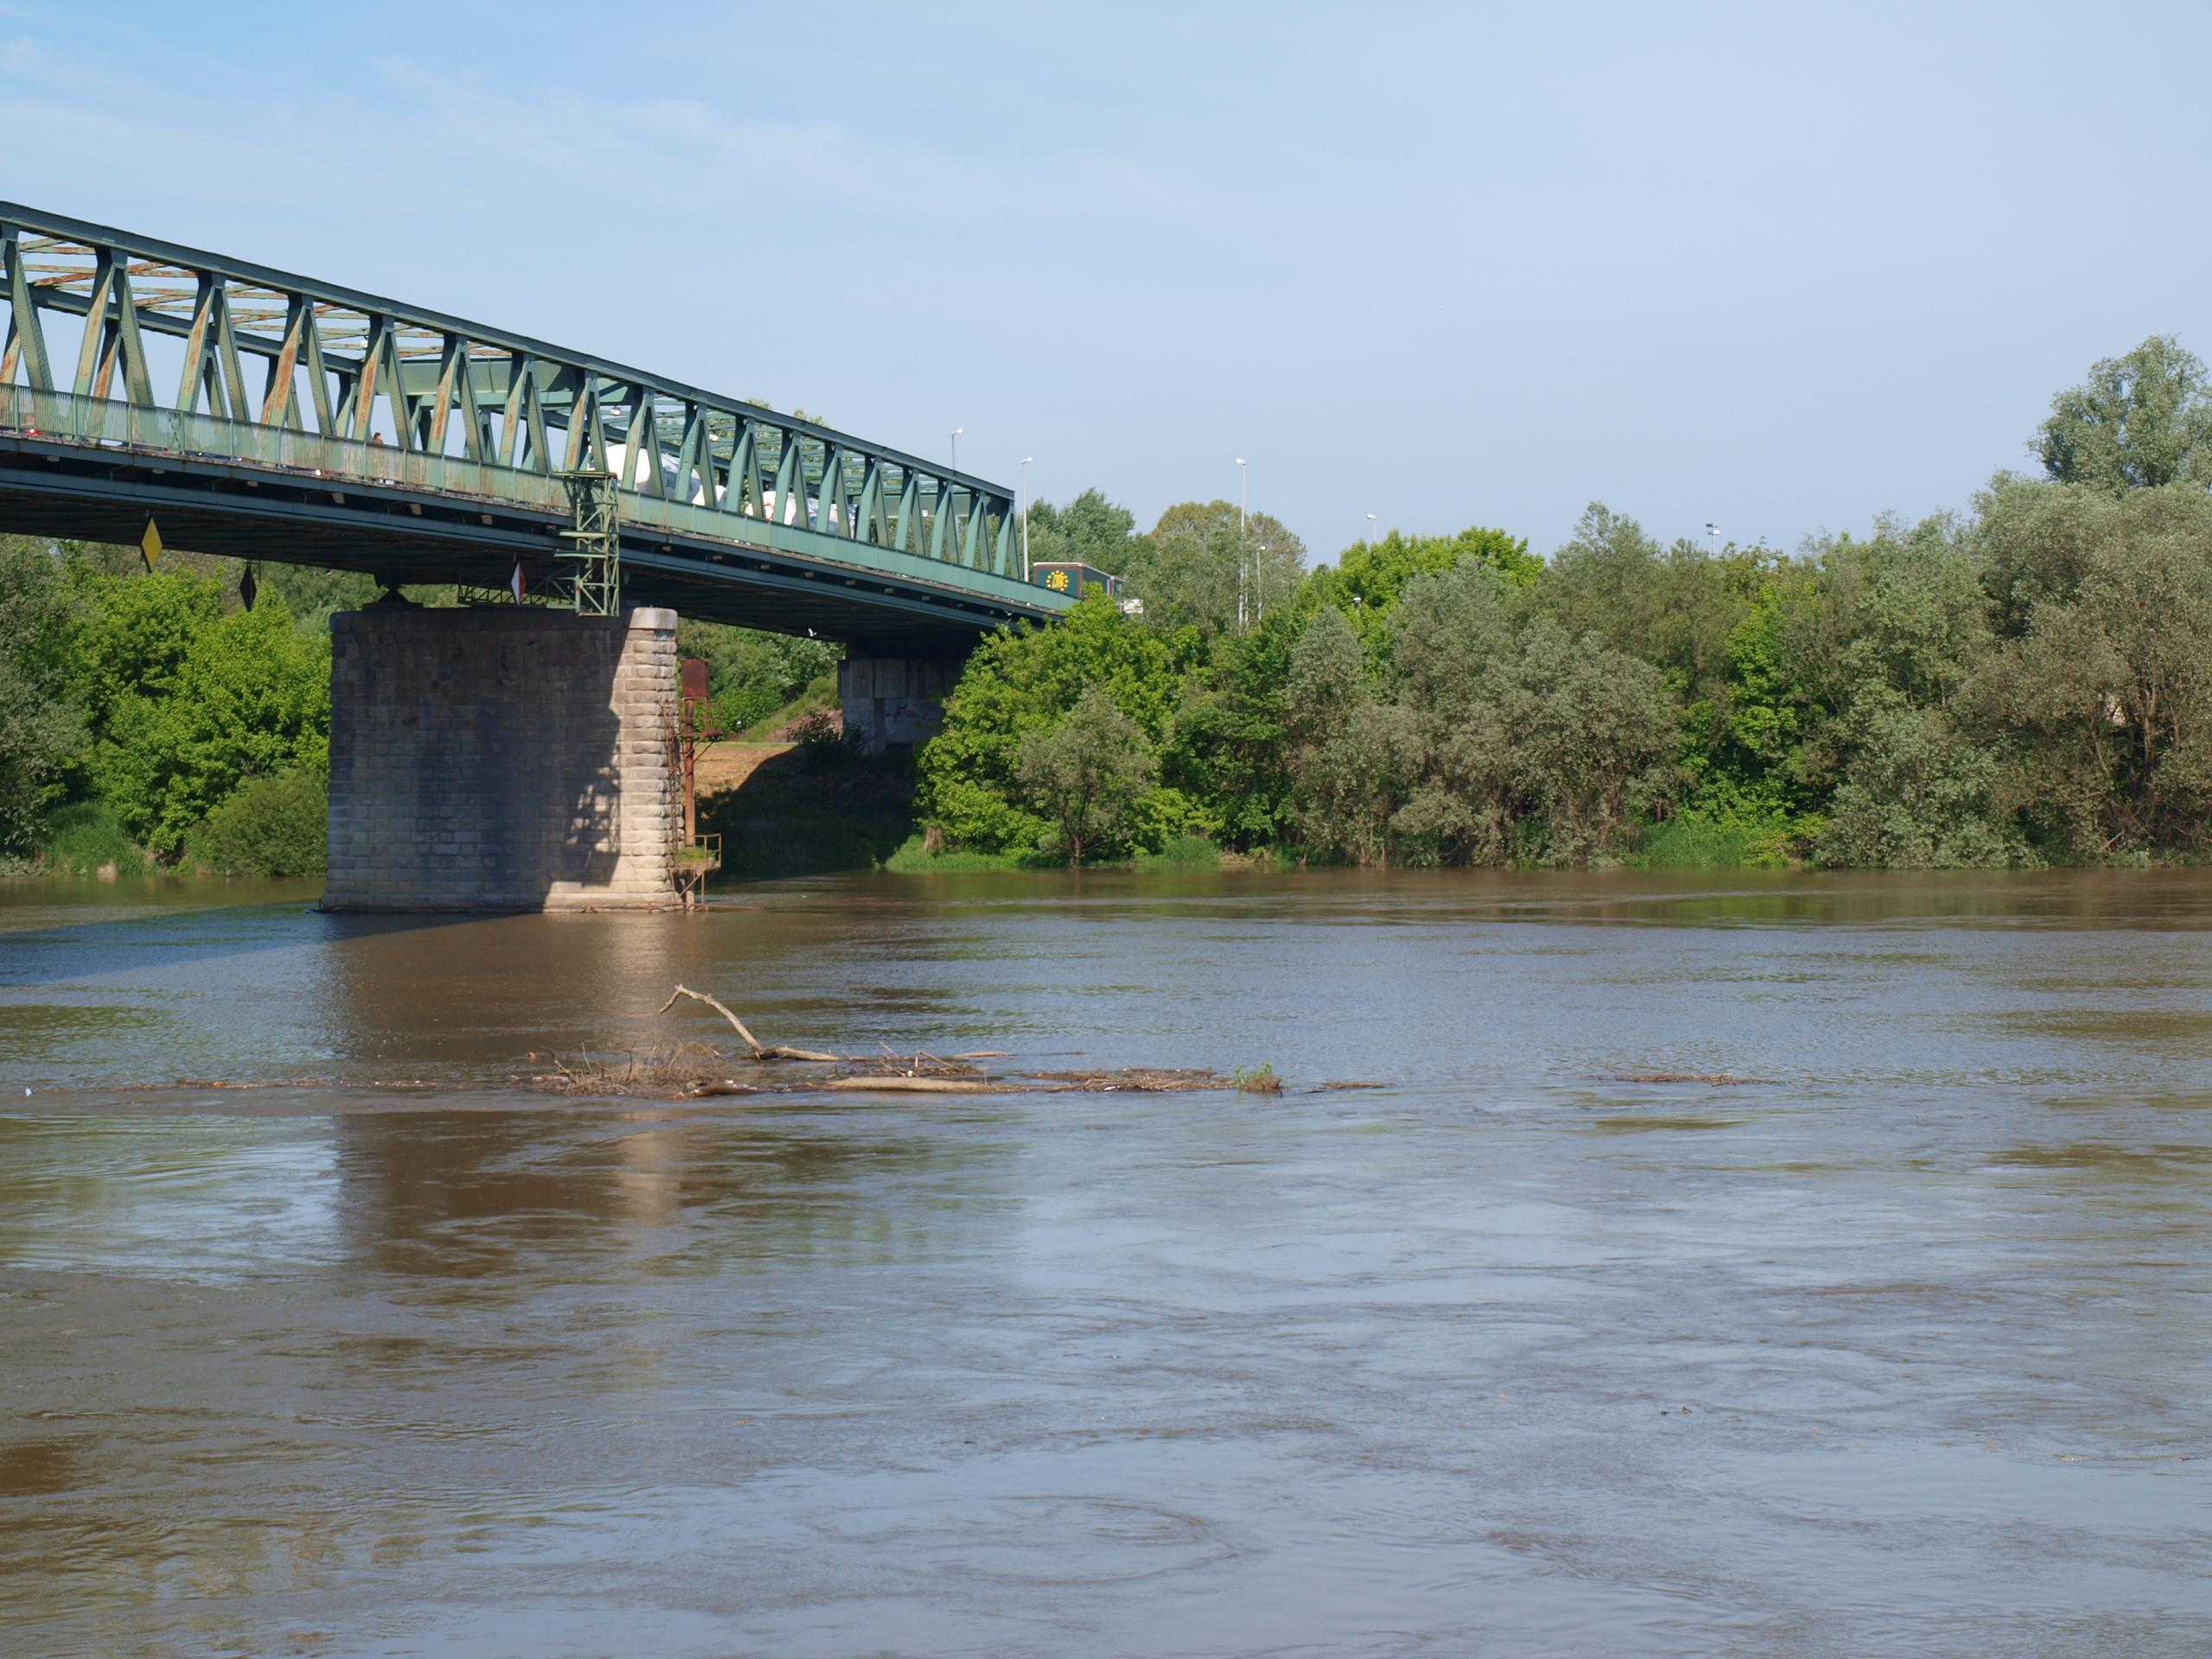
(170, 435)
(102, 423)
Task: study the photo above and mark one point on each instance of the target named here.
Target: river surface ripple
(1898, 1347)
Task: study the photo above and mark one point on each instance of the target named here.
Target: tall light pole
(1712, 536)
(1025, 459)
(956, 431)
(1242, 475)
(1373, 525)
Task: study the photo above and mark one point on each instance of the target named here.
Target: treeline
(2029, 682)
(156, 721)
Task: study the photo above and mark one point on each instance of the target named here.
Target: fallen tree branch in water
(751, 1041)
(760, 1052)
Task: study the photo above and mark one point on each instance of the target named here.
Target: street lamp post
(956, 431)
(1025, 459)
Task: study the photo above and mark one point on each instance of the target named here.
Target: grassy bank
(1689, 842)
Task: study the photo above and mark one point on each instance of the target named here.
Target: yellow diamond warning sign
(150, 544)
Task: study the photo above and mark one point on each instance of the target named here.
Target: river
(1898, 1346)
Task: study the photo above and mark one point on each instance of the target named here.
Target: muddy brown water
(1901, 1348)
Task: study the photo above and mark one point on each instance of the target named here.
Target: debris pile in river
(699, 1071)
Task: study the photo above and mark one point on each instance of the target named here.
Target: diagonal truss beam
(349, 364)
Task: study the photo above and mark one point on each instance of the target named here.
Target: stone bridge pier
(502, 759)
(892, 700)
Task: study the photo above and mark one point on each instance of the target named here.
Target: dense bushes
(271, 826)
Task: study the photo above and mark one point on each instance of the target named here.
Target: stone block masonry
(502, 759)
(893, 700)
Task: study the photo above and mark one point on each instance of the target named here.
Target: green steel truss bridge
(251, 412)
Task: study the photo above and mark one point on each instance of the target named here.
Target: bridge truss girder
(269, 363)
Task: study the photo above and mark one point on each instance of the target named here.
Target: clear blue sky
(1778, 266)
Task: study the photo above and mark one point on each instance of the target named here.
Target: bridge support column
(501, 758)
(893, 700)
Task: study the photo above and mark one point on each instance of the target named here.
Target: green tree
(1744, 752)
(1674, 607)
(1900, 621)
(2138, 421)
(1592, 738)
(1606, 581)
(1452, 656)
(1089, 774)
(1089, 530)
(1230, 746)
(313, 596)
(38, 727)
(1017, 683)
(1906, 609)
(251, 696)
(1199, 569)
(1351, 752)
(1917, 793)
(2105, 696)
(129, 636)
(1366, 581)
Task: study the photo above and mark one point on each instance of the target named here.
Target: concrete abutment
(501, 758)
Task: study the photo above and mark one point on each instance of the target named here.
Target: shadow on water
(166, 922)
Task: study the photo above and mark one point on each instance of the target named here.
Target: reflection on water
(1898, 1347)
